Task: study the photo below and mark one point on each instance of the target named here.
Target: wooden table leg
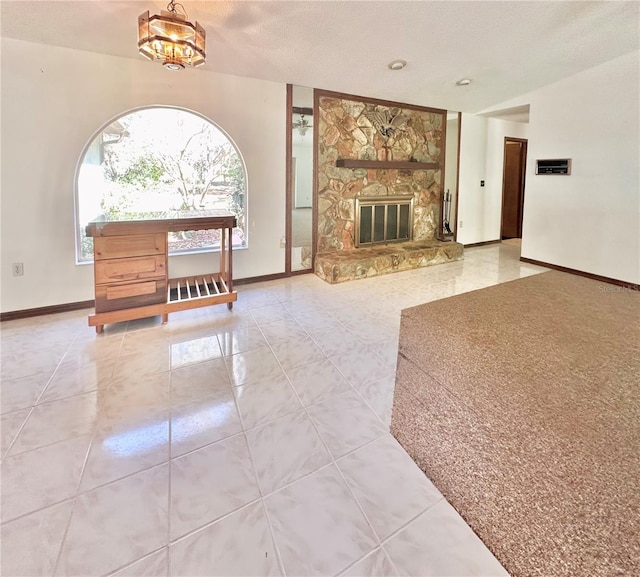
(99, 329)
(230, 257)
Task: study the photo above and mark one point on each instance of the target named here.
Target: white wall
(303, 153)
(54, 99)
(482, 158)
(590, 220)
(302, 96)
(473, 160)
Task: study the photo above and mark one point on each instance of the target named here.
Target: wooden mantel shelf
(386, 164)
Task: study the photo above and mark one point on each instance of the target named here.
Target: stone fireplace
(379, 187)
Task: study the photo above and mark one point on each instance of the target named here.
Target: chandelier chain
(176, 8)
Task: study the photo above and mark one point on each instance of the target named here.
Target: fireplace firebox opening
(383, 219)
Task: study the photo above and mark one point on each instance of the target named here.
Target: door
(515, 162)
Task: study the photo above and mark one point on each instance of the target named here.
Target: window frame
(76, 189)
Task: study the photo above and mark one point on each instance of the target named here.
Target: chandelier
(302, 125)
(171, 39)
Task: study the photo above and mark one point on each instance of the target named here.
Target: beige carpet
(521, 402)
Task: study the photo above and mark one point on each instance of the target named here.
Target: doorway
(513, 179)
(299, 194)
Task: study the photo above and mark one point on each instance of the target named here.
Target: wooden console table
(131, 269)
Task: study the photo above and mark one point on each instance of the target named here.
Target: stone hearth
(335, 267)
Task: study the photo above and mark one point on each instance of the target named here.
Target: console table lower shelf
(182, 294)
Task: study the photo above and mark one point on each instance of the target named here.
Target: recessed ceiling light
(397, 64)
(464, 82)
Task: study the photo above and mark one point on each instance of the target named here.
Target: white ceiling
(508, 48)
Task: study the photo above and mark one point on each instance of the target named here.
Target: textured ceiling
(507, 48)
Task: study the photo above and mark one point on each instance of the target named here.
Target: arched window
(155, 163)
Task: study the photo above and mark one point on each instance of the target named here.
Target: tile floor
(251, 442)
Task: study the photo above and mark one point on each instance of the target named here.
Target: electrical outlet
(18, 268)
(460, 224)
(283, 242)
